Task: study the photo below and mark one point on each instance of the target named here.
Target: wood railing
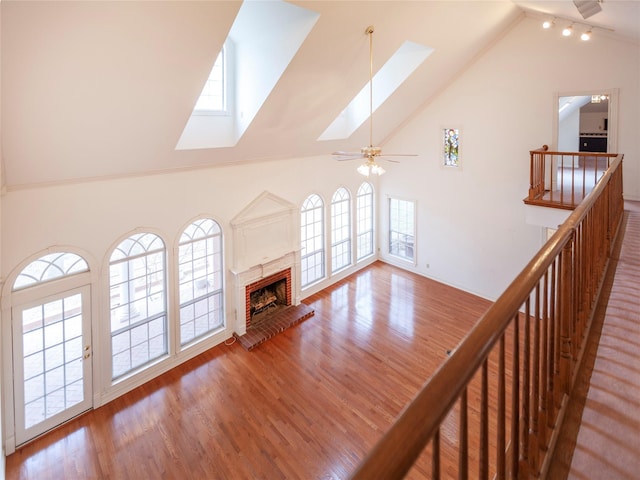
(564, 179)
(495, 407)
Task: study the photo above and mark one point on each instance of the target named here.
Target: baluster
(573, 179)
(515, 400)
(584, 176)
(535, 384)
(463, 454)
(576, 293)
(435, 456)
(500, 434)
(484, 423)
(526, 388)
(553, 361)
(544, 343)
(566, 317)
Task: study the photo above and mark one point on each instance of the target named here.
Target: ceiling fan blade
(341, 153)
(390, 160)
(341, 156)
(399, 155)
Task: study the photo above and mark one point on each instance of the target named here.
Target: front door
(52, 361)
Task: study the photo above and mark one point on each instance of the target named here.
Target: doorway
(586, 121)
(51, 359)
(50, 343)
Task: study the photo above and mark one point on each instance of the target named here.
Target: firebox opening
(268, 300)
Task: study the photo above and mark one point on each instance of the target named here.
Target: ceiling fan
(370, 153)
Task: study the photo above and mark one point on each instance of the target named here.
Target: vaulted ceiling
(99, 89)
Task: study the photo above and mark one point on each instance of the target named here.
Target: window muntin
(402, 228)
(49, 267)
(340, 230)
(137, 302)
(213, 98)
(200, 280)
(364, 221)
(52, 354)
(312, 240)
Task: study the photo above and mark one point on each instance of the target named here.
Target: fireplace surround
(264, 248)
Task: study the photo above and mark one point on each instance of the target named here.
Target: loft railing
(495, 407)
(564, 179)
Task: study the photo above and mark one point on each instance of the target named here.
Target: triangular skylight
(395, 71)
(264, 38)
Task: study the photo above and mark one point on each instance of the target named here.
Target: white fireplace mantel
(264, 231)
(264, 243)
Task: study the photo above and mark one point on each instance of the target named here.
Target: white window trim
(228, 84)
(412, 261)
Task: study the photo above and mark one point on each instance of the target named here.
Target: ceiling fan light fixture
(364, 169)
(370, 167)
(377, 170)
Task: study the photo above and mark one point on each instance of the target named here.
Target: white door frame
(65, 340)
(41, 291)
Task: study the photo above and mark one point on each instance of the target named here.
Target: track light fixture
(568, 30)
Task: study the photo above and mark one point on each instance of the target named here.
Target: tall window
(138, 302)
(200, 271)
(312, 240)
(213, 98)
(364, 212)
(340, 230)
(402, 228)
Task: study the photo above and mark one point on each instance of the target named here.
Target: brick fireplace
(267, 293)
(265, 250)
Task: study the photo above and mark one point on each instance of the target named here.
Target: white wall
(592, 122)
(471, 222)
(569, 132)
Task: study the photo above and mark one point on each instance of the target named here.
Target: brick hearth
(288, 317)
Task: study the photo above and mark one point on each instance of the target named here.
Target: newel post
(566, 315)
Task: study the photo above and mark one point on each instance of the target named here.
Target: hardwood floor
(309, 403)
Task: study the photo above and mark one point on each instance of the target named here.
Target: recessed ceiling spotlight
(567, 31)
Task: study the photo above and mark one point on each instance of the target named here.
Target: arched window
(364, 221)
(50, 267)
(200, 279)
(138, 302)
(340, 230)
(312, 240)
